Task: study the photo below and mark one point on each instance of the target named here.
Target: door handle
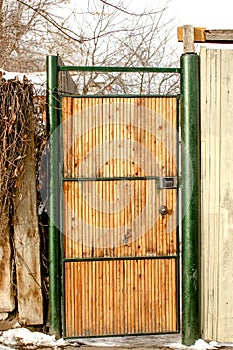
(163, 210)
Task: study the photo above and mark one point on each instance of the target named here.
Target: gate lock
(166, 182)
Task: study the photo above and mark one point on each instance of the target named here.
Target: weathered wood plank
(198, 34)
(188, 39)
(27, 249)
(225, 272)
(217, 194)
(219, 35)
(203, 35)
(210, 130)
(66, 82)
(7, 302)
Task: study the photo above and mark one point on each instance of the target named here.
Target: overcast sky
(211, 14)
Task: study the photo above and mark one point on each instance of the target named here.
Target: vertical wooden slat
(139, 297)
(66, 277)
(88, 211)
(217, 193)
(27, 247)
(210, 72)
(7, 301)
(97, 251)
(101, 220)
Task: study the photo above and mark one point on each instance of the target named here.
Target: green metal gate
(120, 274)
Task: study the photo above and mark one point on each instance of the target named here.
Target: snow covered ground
(22, 338)
(38, 79)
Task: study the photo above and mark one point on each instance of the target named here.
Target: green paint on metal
(118, 335)
(55, 207)
(111, 258)
(119, 69)
(136, 95)
(161, 182)
(113, 178)
(63, 306)
(190, 114)
(53, 105)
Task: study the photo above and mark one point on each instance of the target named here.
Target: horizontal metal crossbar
(103, 258)
(163, 182)
(116, 178)
(119, 69)
(120, 335)
(65, 94)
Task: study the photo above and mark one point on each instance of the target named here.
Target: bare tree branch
(104, 34)
(48, 18)
(119, 8)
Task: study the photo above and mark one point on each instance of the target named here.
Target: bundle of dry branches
(16, 115)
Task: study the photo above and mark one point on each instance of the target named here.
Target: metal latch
(166, 182)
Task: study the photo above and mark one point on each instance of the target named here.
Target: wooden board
(118, 218)
(203, 35)
(27, 248)
(7, 302)
(198, 34)
(126, 301)
(217, 193)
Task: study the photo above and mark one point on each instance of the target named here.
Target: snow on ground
(38, 79)
(23, 337)
(200, 344)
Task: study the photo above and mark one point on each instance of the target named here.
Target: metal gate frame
(190, 169)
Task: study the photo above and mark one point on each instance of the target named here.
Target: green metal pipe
(118, 336)
(113, 258)
(190, 129)
(116, 178)
(53, 105)
(64, 94)
(119, 69)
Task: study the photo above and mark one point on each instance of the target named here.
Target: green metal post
(190, 128)
(53, 210)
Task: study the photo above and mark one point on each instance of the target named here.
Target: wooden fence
(217, 193)
(20, 262)
(20, 268)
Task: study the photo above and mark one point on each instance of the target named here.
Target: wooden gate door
(120, 258)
